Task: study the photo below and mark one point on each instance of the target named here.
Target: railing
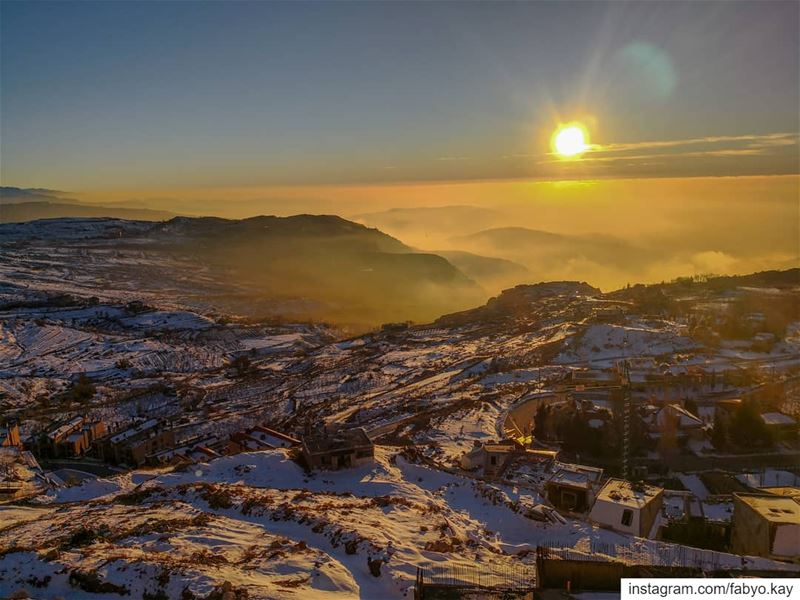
(471, 577)
(660, 555)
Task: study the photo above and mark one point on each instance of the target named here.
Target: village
(669, 428)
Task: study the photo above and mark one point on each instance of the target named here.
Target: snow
(694, 485)
(776, 418)
(442, 387)
(260, 522)
(604, 342)
(720, 511)
(769, 478)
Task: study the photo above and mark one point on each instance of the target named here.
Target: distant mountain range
(540, 251)
(18, 205)
(432, 221)
(492, 273)
(357, 271)
(10, 195)
(330, 268)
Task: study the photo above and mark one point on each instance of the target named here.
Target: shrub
(91, 582)
(81, 537)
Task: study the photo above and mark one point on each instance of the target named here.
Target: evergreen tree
(540, 421)
(747, 428)
(719, 437)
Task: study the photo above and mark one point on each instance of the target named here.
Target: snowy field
(261, 523)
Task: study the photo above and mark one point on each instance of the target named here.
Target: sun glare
(570, 140)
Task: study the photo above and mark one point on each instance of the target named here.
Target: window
(569, 500)
(627, 517)
(492, 460)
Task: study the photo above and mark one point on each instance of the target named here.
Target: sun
(570, 140)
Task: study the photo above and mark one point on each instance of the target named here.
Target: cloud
(750, 142)
(660, 152)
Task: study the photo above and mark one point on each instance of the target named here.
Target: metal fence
(655, 555)
(477, 577)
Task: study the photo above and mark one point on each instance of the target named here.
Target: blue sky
(250, 93)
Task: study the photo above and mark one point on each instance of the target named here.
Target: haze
(381, 113)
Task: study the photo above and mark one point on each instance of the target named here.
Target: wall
(582, 575)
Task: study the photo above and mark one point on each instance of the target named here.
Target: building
(72, 438)
(66, 439)
(490, 460)
(572, 488)
(631, 508)
(686, 424)
(792, 491)
(135, 444)
(766, 525)
(9, 436)
(259, 438)
(338, 448)
(73, 445)
(783, 427)
(197, 450)
(94, 430)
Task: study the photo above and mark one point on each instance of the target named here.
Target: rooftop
(499, 447)
(686, 418)
(778, 509)
(635, 495)
(65, 428)
(341, 439)
(576, 475)
(783, 490)
(129, 433)
(776, 418)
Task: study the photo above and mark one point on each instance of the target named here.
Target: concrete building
(783, 427)
(490, 459)
(628, 507)
(338, 448)
(197, 450)
(766, 525)
(135, 444)
(94, 430)
(70, 438)
(572, 488)
(259, 438)
(685, 423)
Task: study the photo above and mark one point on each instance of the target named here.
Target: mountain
(303, 267)
(358, 272)
(511, 238)
(428, 227)
(19, 212)
(18, 205)
(317, 229)
(13, 195)
(493, 274)
(546, 254)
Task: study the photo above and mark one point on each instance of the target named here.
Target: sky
(146, 95)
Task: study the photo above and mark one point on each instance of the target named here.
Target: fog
(606, 232)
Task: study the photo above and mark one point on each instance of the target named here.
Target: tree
(747, 428)
(668, 442)
(579, 438)
(719, 437)
(690, 405)
(540, 421)
(83, 389)
(242, 365)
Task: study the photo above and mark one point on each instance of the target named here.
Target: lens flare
(570, 140)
